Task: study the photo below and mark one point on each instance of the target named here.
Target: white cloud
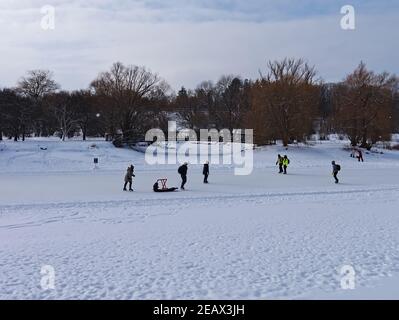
(90, 36)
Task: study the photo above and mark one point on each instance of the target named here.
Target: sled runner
(166, 190)
(164, 187)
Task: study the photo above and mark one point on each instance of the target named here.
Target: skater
(286, 162)
(129, 178)
(336, 168)
(280, 163)
(359, 155)
(205, 172)
(183, 173)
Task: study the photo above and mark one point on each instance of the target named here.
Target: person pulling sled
(183, 174)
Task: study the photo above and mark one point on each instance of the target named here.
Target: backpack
(338, 167)
(179, 171)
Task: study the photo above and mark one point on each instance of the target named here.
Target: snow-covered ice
(263, 236)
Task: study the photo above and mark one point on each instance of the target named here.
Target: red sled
(164, 187)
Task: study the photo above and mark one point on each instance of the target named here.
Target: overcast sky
(188, 41)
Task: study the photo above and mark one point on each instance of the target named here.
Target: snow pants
(130, 185)
(335, 177)
(183, 181)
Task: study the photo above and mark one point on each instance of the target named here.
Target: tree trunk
(64, 134)
(23, 133)
(285, 142)
(364, 141)
(84, 130)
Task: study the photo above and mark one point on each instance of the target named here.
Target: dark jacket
(129, 174)
(206, 169)
(336, 168)
(183, 170)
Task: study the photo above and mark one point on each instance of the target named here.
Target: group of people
(183, 169)
(282, 162)
(358, 154)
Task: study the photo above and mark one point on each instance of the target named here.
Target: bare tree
(82, 105)
(35, 86)
(124, 87)
(2, 116)
(363, 106)
(65, 112)
(206, 95)
(231, 103)
(285, 102)
(12, 112)
(396, 110)
(189, 108)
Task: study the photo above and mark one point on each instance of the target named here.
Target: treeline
(288, 102)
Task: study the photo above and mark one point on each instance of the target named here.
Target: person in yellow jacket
(286, 162)
(279, 162)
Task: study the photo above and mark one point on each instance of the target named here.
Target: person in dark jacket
(280, 163)
(336, 168)
(205, 172)
(359, 155)
(129, 178)
(183, 173)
